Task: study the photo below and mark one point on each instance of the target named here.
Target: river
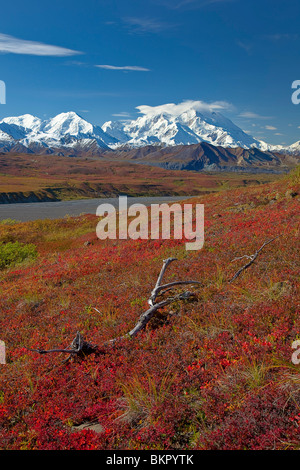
(24, 212)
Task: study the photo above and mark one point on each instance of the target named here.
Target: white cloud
(122, 114)
(134, 68)
(146, 25)
(271, 128)
(245, 46)
(177, 109)
(192, 4)
(281, 36)
(250, 115)
(12, 45)
(76, 63)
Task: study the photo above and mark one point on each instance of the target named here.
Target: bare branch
(175, 283)
(45, 351)
(79, 347)
(153, 295)
(252, 259)
(82, 348)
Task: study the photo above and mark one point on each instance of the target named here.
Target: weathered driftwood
(252, 258)
(80, 347)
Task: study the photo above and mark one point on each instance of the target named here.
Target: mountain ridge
(70, 134)
(187, 128)
(205, 157)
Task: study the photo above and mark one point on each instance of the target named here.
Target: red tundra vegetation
(212, 371)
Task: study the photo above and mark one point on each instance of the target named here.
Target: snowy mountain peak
(27, 121)
(68, 123)
(64, 130)
(183, 124)
(187, 123)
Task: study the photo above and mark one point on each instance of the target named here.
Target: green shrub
(13, 253)
(8, 222)
(294, 175)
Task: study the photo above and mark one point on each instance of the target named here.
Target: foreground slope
(211, 373)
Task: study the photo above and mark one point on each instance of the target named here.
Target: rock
(290, 194)
(96, 427)
(29, 304)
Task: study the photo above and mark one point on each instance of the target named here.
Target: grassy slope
(215, 373)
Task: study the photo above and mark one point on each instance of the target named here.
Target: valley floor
(37, 178)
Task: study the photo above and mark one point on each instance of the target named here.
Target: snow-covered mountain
(165, 125)
(189, 127)
(6, 141)
(66, 130)
(294, 148)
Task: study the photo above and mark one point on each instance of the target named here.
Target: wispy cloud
(146, 25)
(77, 94)
(245, 46)
(76, 63)
(271, 128)
(12, 45)
(282, 36)
(177, 109)
(193, 4)
(122, 115)
(134, 68)
(250, 115)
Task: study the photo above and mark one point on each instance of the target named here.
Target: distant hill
(206, 157)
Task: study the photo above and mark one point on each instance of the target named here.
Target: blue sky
(102, 59)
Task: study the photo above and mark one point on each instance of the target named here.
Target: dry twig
(252, 258)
